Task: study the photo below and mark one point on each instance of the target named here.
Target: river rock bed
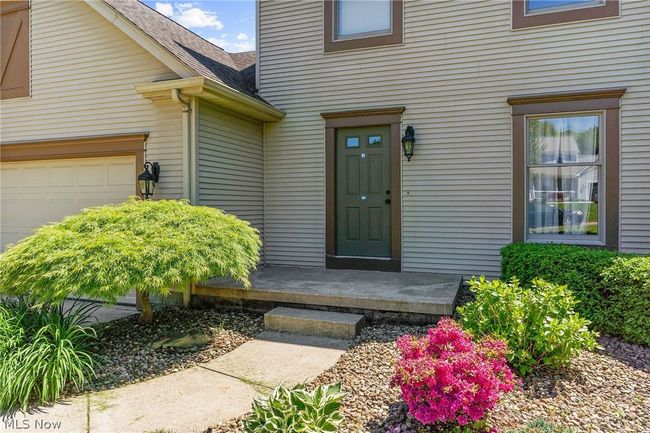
(124, 351)
(602, 392)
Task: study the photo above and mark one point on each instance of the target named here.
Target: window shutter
(14, 49)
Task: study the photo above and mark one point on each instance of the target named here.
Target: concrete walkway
(106, 312)
(193, 399)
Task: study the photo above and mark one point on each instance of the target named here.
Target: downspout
(188, 148)
(189, 186)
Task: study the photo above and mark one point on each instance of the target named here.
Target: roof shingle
(236, 70)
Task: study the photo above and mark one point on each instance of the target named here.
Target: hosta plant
(541, 426)
(539, 324)
(297, 410)
(450, 381)
(43, 348)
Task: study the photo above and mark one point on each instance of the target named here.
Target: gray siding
(453, 74)
(230, 164)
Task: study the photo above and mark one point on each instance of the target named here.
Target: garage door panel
(11, 177)
(58, 209)
(121, 174)
(62, 176)
(36, 176)
(34, 193)
(91, 175)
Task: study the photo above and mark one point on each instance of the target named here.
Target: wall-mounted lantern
(408, 142)
(148, 179)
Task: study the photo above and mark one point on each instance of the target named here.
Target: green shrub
(47, 349)
(541, 426)
(297, 410)
(150, 246)
(577, 267)
(612, 287)
(538, 323)
(627, 299)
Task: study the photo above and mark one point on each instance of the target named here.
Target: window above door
(536, 13)
(357, 24)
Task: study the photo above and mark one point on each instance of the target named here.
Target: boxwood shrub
(626, 290)
(612, 287)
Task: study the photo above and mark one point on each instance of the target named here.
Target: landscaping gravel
(124, 352)
(603, 392)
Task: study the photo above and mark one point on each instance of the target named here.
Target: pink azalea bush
(446, 378)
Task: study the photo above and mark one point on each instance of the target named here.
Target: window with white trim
(564, 176)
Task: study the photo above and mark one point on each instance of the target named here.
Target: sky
(229, 24)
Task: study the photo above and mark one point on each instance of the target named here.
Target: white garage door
(33, 193)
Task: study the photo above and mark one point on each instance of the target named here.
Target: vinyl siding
(231, 164)
(82, 76)
(457, 66)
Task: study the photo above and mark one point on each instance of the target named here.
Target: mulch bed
(123, 351)
(602, 392)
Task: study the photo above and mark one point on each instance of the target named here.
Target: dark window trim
(347, 119)
(331, 44)
(605, 100)
(520, 20)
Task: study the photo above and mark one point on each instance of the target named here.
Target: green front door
(363, 191)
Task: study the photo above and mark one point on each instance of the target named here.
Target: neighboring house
(308, 146)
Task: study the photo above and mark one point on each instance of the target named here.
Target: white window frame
(360, 35)
(592, 240)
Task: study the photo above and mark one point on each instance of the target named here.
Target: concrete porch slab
(408, 292)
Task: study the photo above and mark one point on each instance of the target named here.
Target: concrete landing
(419, 293)
(314, 322)
(191, 400)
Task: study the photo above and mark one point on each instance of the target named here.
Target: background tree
(149, 246)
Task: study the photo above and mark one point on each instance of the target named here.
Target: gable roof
(236, 70)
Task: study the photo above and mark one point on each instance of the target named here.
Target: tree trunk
(146, 314)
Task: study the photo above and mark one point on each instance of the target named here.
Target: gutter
(213, 91)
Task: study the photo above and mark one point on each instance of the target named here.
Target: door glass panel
(563, 200)
(374, 140)
(564, 140)
(351, 142)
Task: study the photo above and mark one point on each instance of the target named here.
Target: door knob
(387, 201)
(387, 192)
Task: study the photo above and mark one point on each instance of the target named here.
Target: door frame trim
(79, 147)
(391, 116)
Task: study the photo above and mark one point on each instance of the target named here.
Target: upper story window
(14, 49)
(545, 6)
(534, 13)
(357, 18)
(353, 24)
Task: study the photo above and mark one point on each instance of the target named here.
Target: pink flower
(445, 377)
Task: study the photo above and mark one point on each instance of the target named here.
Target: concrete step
(314, 322)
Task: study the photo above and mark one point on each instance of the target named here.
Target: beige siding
(454, 72)
(83, 74)
(230, 164)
